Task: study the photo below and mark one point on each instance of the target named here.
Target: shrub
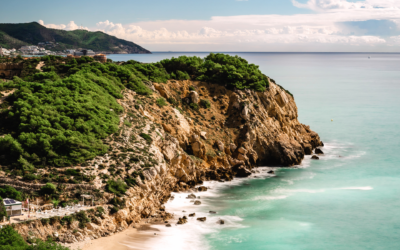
(54, 220)
(205, 103)
(100, 210)
(65, 121)
(117, 187)
(194, 106)
(82, 218)
(45, 221)
(3, 211)
(127, 123)
(172, 101)
(67, 220)
(49, 188)
(55, 202)
(161, 102)
(114, 210)
(131, 182)
(73, 172)
(10, 192)
(146, 137)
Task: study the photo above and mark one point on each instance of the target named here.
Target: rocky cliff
(205, 132)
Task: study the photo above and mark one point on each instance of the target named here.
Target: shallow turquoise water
(350, 199)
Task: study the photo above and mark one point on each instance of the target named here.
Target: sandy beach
(135, 237)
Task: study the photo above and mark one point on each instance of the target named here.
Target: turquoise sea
(349, 199)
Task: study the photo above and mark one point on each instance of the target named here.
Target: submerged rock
(168, 225)
(191, 196)
(221, 222)
(192, 215)
(202, 219)
(197, 202)
(314, 157)
(319, 151)
(182, 220)
(212, 212)
(271, 172)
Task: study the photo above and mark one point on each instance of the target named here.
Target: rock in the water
(314, 157)
(168, 225)
(319, 151)
(191, 196)
(271, 172)
(212, 212)
(241, 171)
(192, 215)
(202, 189)
(307, 149)
(182, 220)
(197, 202)
(221, 222)
(202, 219)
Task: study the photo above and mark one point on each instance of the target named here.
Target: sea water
(349, 199)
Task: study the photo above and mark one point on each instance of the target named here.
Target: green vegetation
(3, 211)
(161, 102)
(205, 103)
(82, 218)
(127, 123)
(117, 187)
(15, 35)
(9, 42)
(10, 192)
(60, 121)
(146, 137)
(48, 189)
(232, 71)
(11, 240)
(194, 106)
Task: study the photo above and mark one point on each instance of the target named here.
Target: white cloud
(324, 28)
(320, 5)
(70, 26)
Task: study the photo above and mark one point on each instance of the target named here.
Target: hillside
(16, 35)
(129, 134)
(9, 42)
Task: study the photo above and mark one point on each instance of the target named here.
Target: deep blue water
(350, 199)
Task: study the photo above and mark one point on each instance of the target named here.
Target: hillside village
(42, 49)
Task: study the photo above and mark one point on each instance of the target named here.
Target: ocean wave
(291, 191)
(269, 197)
(357, 188)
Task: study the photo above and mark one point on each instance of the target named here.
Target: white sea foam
(191, 235)
(292, 191)
(358, 188)
(270, 197)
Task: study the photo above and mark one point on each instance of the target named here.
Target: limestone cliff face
(206, 132)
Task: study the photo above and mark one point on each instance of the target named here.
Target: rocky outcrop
(176, 147)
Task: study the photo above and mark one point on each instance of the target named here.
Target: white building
(13, 207)
(30, 50)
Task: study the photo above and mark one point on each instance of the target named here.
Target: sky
(226, 25)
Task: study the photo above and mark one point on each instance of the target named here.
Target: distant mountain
(17, 35)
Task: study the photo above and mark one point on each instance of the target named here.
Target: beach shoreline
(137, 235)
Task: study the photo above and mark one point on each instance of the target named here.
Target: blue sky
(226, 25)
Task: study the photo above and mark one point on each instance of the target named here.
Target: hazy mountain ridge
(17, 35)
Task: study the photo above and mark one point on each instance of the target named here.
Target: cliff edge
(204, 132)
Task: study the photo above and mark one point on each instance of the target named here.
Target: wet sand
(131, 238)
